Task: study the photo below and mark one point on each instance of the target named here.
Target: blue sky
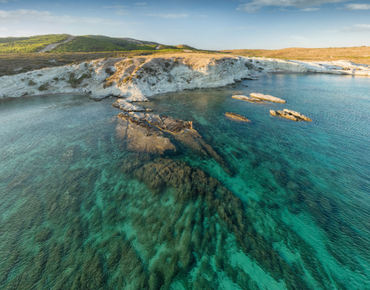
(207, 24)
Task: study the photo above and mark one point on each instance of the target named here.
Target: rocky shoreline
(137, 78)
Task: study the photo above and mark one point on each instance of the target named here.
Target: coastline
(137, 78)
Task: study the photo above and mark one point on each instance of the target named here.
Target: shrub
(109, 71)
(108, 84)
(31, 83)
(43, 87)
(74, 82)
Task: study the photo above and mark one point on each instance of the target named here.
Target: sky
(205, 24)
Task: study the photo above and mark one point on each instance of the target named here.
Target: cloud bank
(253, 6)
(357, 7)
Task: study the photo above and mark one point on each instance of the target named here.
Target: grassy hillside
(355, 54)
(86, 43)
(29, 44)
(95, 43)
(17, 55)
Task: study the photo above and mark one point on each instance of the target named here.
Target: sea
(90, 202)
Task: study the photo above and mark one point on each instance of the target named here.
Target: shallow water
(277, 204)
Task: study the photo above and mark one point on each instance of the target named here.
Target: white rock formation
(133, 78)
(139, 77)
(343, 67)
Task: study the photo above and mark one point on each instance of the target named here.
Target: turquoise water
(278, 205)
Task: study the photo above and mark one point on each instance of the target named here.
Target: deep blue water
(277, 205)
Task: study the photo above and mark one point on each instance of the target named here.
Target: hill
(64, 43)
(354, 54)
(29, 44)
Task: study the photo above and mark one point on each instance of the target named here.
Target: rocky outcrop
(246, 98)
(162, 122)
(342, 67)
(267, 98)
(141, 137)
(237, 117)
(139, 77)
(177, 130)
(291, 115)
(128, 107)
(130, 78)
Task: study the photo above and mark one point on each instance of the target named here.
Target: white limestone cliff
(132, 78)
(342, 67)
(140, 77)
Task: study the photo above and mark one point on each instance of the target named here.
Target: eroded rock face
(291, 115)
(131, 78)
(267, 98)
(235, 116)
(341, 67)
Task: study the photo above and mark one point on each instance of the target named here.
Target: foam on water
(285, 205)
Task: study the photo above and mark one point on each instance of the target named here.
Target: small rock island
(237, 117)
(291, 115)
(267, 98)
(246, 98)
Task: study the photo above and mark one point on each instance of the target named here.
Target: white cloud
(356, 7)
(115, 7)
(21, 15)
(310, 9)
(140, 4)
(253, 6)
(353, 29)
(170, 16)
(122, 12)
(358, 28)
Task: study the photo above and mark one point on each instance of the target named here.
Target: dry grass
(355, 54)
(15, 63)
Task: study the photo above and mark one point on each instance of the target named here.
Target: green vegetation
(31, 83)
(29, 44)
(43, 87)
(17, 54)
(74, 82)
(90, 43)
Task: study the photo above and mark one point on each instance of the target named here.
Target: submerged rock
(142, 137)
(128, 107)
(179, 130)
(237, 117)
(246, 98)
(162, 122)
(291, 115)
(267, 98)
